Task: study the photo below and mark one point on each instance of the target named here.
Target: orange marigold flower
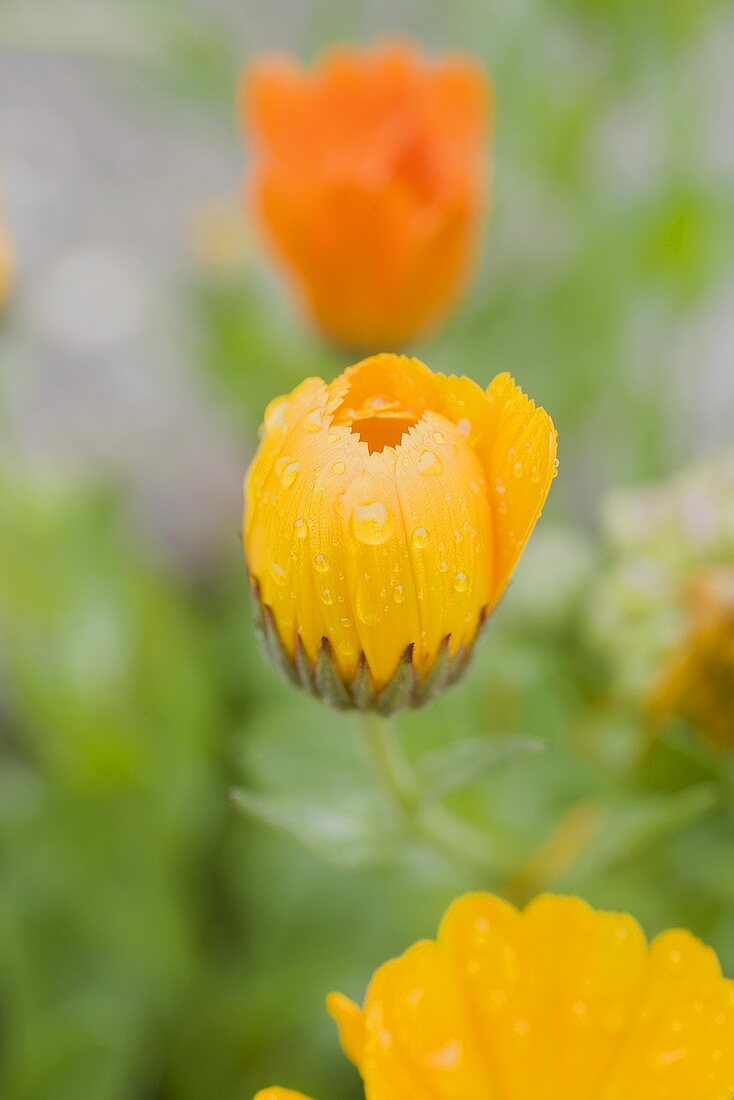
(385, 513)
(558, 1001)
(368, 183)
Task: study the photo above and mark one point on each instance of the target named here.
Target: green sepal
(328, 683)
(436, 680)
(362, 688)
(398, 692)
(406, 688)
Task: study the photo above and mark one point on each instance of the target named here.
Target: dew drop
(461, 582)
(320, 563)
(399, 593)
(277, 572)
(438, 437)
(286, 470)
(535, 475)
(429, 463)
(332, 437)
(275, 414)
(312, 422)
(372, 524)
(300, 529)
(517, 469)
(466, 428)
(366, 605)
(327, 597)
(420, 538)
(338, 468)
(443, 566)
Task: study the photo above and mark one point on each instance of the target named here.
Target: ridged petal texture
(557, 1002)
(385, 513)
(368, 182)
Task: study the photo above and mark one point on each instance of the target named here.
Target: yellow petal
(419, 1042)
(280, 1094)
(680, 1043)
(520, 459)
(349, 1020)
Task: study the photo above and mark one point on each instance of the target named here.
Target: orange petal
(520, 458)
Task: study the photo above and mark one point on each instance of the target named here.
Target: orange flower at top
(368, 184)
(557, 1002)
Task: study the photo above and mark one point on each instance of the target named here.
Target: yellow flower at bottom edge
(555, 1002)
(385, 513)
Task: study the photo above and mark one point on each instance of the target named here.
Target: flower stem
(427, 818)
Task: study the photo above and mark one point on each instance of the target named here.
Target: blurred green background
(155, 943)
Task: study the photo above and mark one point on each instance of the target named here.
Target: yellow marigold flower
(698, 684)
(368, 183)
(384, 515)
(558, 1002)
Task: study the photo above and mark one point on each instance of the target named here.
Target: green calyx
(407, 687)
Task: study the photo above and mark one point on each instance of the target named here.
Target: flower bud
(384, 515)
(367, 183)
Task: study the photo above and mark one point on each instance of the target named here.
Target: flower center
(379, 422)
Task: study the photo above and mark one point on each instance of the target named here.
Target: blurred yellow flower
(384, 515)
(558, 1002)
(662, 611)
(698, 683)
(368, 183)
(6, 261)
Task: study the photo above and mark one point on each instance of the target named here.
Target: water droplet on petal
(326, 596)
(429, 463)
(300, 529)
(461, 582)
(420, 538)
(466, 428)
(373, 523)
(338, 468)
(286, 470)
(320, 563)
(366, 605)
(277, 572)
(312, 422)
(443, 566)
(399, 593)
(438, 437)
(276, 414)
(517, 469)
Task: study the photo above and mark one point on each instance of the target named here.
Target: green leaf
(348, 830)
(459, 765)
